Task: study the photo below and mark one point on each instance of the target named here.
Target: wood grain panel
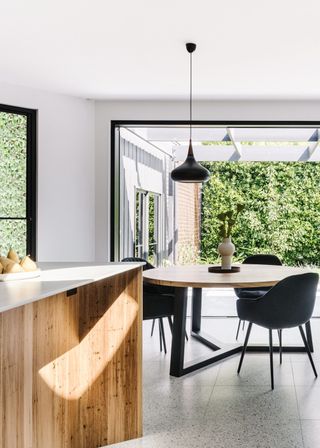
(70, 367)
(16, 378)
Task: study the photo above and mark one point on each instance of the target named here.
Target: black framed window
(18, 180)
(281, 139)
(147, 226)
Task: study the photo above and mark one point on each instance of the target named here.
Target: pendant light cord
(190, 96)
(190, 170)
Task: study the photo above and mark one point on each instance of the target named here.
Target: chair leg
(238, 329)
(160, 335)
(243, 325)
(244, 346)
(171, 327)
(271, 358)
(309, 335)
(163, 335)
(308, 350)
(152, 328)
(280, 345)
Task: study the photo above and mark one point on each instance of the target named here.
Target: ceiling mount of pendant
(190, 170)
(190, 47)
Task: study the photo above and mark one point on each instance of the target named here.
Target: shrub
(281, 215)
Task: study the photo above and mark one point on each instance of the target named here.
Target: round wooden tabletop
(197, 276)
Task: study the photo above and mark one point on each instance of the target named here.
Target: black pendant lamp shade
(190, 171)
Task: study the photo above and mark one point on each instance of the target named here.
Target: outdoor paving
(221, 302)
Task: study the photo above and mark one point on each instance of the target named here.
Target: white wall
(66, 198)
(144, 167)
(105, 111)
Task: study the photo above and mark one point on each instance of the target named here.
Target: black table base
(221, 350)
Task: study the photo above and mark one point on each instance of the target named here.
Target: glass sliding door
(147, 226)
(139, 249)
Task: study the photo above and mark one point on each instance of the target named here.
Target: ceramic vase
(226, 249)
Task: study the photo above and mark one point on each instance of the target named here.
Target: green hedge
(282, 209)
(13, 129)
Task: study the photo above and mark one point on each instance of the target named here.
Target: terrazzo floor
(216, 408)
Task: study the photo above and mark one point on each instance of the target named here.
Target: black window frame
(116, 124)
(31, 176)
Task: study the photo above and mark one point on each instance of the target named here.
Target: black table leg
(196, 309)
(221, 351)
(196, 332)
(179, 331)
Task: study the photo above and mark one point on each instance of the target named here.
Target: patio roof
(236, 143)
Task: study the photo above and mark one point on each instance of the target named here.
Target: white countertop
(56, 278)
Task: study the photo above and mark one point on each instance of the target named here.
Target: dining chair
(255, 293)
(158, 303)
(288, 304)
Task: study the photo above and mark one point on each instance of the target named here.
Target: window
(18, 181)
(153, 230)
(140, 228)
(150, 150)
(147, 226)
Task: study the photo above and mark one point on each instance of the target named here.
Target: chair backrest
(289, 303)
(157, 299)
(257, 259)
(145, 267)
(263, 259)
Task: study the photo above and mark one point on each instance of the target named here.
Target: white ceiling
(135, 49)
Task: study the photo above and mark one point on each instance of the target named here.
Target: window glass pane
(13, 233)
(139, 220)
(13, 145)
(152, 250)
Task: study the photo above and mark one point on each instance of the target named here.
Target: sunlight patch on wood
(73, 373)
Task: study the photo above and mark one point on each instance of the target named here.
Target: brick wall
(188, 215)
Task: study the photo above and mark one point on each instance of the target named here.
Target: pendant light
(190, 170)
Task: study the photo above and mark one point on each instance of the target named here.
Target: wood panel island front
(70, 357)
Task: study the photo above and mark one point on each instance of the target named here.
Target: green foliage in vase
(228, 220)
(281, 215)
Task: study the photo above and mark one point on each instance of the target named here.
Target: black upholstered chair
(288, 304)
(158, 303)
(255, 293)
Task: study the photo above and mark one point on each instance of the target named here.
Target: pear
(12, 268)
(4, 262)
(28, 265)
(12, 254)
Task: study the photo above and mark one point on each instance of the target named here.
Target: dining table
(198, 277)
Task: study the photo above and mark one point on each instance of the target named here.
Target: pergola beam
(237, 145)
(313, 145)
(256, 153)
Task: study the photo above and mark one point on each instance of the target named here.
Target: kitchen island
(70, 356)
